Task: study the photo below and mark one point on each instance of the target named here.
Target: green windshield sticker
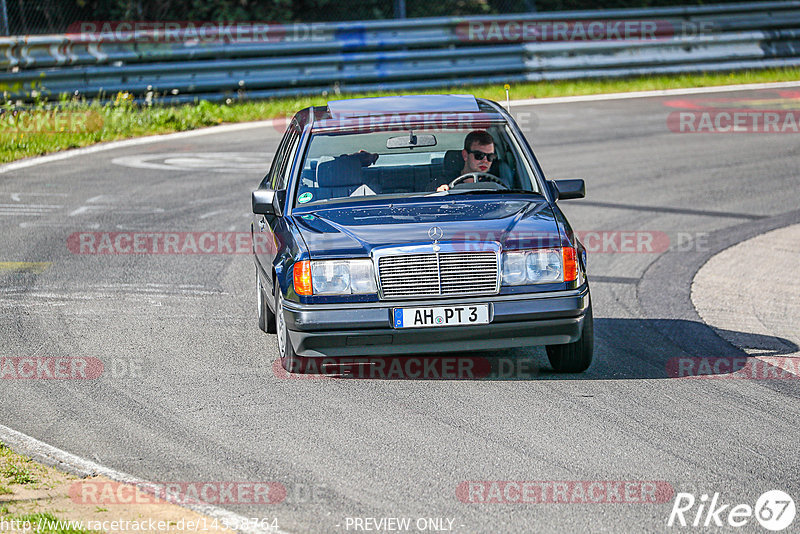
(305, 197)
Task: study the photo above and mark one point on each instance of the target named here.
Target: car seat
(339, 177)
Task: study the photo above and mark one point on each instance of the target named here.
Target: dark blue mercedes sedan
(416, 224)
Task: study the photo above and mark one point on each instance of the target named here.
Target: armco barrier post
(3, 18)
(399, 9)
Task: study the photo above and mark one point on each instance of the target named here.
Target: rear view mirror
(567, 189)
(411, 140)
(263, 202)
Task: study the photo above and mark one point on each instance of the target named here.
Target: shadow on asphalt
(624, 349)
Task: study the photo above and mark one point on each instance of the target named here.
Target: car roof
(388, 111)
(360, 107)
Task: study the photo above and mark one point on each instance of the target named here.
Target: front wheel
(290, 361)
(575, 357)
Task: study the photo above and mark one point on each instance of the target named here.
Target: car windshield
(410, 162)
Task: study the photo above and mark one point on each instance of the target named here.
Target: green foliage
(18, 474)
(121, 118)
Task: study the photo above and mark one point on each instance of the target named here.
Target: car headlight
(544, 266)
(540, 266)
(514, 268)
(342, 277)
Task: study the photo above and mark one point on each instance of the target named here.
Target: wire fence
(31, 17)
(241, 60)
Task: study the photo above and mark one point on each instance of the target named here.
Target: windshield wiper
(467, 191)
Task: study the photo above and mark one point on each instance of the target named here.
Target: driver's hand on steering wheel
(446, 187)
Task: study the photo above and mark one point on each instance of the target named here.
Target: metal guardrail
(400, 54)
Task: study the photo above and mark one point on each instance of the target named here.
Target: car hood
(356, 230)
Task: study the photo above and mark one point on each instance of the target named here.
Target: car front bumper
(366, 329)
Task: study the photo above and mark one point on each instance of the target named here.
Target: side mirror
(567, 189)
(264, 202)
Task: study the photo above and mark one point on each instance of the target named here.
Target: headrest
(453, 161)
(340, 172)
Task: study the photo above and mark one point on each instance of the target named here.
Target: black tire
(266, 319)
(575, 357)
(290, 361)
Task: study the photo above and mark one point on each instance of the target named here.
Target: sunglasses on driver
(481, 155)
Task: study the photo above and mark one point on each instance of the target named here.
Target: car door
(269, 231)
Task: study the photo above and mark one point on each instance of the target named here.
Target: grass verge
(17, 470)
(85, 123)
(48, 501)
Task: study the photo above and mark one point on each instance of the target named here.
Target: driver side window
(277, 161)
(285, 172)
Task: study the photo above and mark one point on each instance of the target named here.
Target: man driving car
(478, 154)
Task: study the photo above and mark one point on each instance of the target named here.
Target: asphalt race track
(189, 390)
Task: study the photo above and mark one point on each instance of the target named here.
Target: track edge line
(70, 463)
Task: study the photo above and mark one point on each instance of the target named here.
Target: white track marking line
(18, 213)
(134, 210)
(70, 463)
(29, 193)
(191, 161)
(46, 224)
(37, 206)
(648, 94)
(17, 197)
(31, 162)
(212, 213)
(78, 211)
(58, 156)
(23, 209)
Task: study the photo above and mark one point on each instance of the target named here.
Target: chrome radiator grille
(438, 274)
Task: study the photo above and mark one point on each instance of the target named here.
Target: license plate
(441, 316)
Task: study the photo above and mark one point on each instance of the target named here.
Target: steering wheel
(476, 175)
